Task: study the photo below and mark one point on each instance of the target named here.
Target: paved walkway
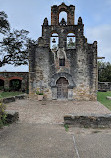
(40, 134)
(27, 140)
(31, 111)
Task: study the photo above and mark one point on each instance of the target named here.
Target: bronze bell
(53, 41)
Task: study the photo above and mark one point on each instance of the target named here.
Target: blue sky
(29, 15)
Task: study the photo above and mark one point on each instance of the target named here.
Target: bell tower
(56, 10)
(63, 65)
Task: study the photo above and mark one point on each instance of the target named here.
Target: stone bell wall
(104, 86)
(80, 67)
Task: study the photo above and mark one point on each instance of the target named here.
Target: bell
(53, 41)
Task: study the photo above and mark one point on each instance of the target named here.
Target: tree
(104, 71)
(4, 24)
(14, 45)
(14, 48)
(71, 43)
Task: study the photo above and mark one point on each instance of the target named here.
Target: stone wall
(104, 86)
(80, 68)
(6, 77)
(87, 121)
(55, 11)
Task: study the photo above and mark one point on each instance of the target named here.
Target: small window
(61, 62)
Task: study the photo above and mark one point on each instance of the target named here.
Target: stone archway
(70, 85)
(15, 84)
(1, 84)
(62, 88)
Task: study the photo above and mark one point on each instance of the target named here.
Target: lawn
(101, 97)
(8, 94)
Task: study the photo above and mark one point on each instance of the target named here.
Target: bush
(2, 114)
(1, 88)
(6, 89)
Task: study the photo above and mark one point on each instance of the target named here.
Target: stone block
(12, 116)
(8, 100)
(108, 97)
(22, 96)
(93, 120)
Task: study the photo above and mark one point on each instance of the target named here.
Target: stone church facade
(63, 65)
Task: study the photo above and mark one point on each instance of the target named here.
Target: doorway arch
(1, 84)
(62, 88)
(15, 84)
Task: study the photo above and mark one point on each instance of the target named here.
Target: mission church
(63, 65)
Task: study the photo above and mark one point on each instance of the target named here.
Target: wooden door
(62, 88)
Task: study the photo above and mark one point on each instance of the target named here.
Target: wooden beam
(100, 57)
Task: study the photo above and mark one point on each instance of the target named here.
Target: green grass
(101, 97)
(66, 127)
(8, 94)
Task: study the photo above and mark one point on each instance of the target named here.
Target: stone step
(12, 116)
(108, 97)
(88, 120)
(14, 98)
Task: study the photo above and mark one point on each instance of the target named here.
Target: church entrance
(62, 88)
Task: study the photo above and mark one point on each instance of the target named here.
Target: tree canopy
(104, 71)
(14, 44)
(4, 24)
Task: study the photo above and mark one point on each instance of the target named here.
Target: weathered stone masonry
(7, 77)
(76, 77)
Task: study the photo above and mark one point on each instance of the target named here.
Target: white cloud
(103, 35)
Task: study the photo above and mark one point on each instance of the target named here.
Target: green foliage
(8, 94)
(39, 93)
(66, 127)
(1, 88)
(15, 84)
(71, 44)
(101, 97)
(104, 72)
(14, 45)
(6, 89)
(1, 123)
(3, 114)
(4, 24)
(4, 118)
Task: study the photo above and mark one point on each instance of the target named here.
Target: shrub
(2, 114)
(6, 89)
(39, 92)
(1, 88)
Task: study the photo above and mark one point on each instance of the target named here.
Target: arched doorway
(62, 88)
(1, 84)
(15, 84)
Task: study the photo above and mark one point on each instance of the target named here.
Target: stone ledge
(23, 96)
(88, 120)
(12, 116)
(8, 99)
(13, 98)
(108, 97)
